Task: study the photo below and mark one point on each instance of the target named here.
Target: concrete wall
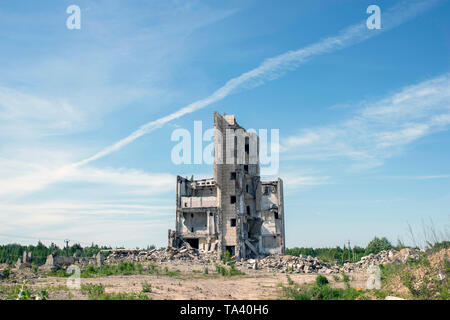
(198, 202)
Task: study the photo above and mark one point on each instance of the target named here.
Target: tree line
(11, 252)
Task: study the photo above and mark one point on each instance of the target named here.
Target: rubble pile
(159, 255)
(308, 264)
(383, 257)
(300, 264)
(274, 263)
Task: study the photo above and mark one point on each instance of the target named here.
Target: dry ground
(255, 284)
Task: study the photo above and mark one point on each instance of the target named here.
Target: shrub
(7, 272)
(319, 290)
(232, 271)
(152, 269)
(321, 280)
(226, 257)
(378, 245)
(146, 287)
(441, 245)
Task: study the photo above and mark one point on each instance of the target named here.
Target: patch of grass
(346, 279)
(123, 268)
(58, 273)
(22, 292)
(152, 269)
(420, 278)
(146, 287)
(321, 280)
(97, 292)
(232, 271)
(6, 272)
(319, 290)
(206, 271)
(174, 273)
(226, 257)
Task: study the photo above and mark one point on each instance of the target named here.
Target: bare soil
(254, 284)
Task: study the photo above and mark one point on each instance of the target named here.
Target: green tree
(377, 245)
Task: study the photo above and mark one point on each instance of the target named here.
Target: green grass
(22, 292)
(319, 290)
(123, 268)
(97, 292)
(426, 287)
(146, 287)
(6, 272)
(228, 272)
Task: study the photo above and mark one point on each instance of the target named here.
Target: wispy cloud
(295, 181)
(85, 210)
(25, 114)
(25, 178)
(428, 177)
(380, 129)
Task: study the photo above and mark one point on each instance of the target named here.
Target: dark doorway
(193, 243)
(230, 249)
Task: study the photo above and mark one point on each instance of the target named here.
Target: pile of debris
(383, 257)
(54, 262)
(158, 255)
(300, 264)
(308, 264)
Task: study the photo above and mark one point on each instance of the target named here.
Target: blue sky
(363, 115)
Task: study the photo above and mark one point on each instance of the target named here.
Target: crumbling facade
(233, 211)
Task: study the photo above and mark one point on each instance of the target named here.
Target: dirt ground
(255, 284)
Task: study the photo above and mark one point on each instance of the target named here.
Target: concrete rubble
(383, 257)
(56, 262)
(273, 263)
(284, 264)
(308, 264)
(159, 255)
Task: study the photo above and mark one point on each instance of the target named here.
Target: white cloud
(129, 204)
(22, 114)
(380, 129)
(20, 178)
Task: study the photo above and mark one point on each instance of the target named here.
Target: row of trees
(345, 253)
(10, 252)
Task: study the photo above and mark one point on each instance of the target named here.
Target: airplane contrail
(268, 70)
(273, 68)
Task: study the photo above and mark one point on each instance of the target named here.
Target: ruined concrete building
(234, 211)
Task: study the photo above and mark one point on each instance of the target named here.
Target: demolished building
(234, 211)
